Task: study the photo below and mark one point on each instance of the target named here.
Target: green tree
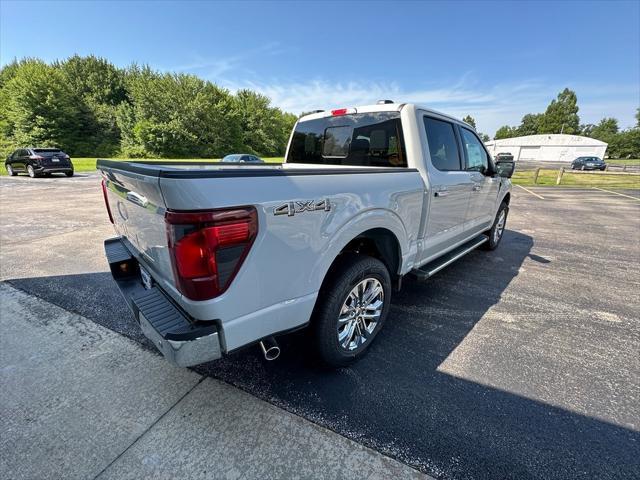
(470, 120)
(177, 115)
(625, 144)
(101, 87)
(605, 130)
(586, 129)
(530, 124)
(506, 132)
(561, 115)
(38, 107)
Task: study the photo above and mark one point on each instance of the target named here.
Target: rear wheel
(10, 170)
(69, 174)
(31, 171)
(351, 309)
(497, 229)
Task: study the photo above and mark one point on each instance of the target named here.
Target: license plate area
(145, 276)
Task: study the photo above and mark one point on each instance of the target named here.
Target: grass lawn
(89, 164)
(625, 161)
(549, 176)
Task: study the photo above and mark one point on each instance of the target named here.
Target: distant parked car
(588, 163)
(39, 161)
(504, 157)
(242, 158)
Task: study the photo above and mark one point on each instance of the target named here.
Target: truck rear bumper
(180, 339)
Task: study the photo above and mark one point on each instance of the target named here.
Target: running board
(430, 269)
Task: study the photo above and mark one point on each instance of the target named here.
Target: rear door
(484, 191)
(450, 187)
(20, 159)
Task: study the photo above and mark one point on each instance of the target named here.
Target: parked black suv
(39, 161)
(588, 163)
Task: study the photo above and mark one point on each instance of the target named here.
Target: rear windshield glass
(361, 139)
(47, 150)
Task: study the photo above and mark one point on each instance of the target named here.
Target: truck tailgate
(138, 209)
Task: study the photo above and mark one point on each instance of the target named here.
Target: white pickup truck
(213, 257)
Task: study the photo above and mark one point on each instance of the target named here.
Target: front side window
(477, 160)
(443, 146)
(359, 139)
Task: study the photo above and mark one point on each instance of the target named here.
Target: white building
(548, 147)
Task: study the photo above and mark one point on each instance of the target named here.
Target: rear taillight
(208, 247)
(36, 157)
(106, 199)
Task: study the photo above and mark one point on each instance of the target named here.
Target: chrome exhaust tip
(270, 348)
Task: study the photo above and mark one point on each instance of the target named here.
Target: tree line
(91, 108)
(561, 116)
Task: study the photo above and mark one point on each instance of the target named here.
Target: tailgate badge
(291, 208)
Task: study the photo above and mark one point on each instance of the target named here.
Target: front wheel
(497, 229)
(10, 171)
(351, 309)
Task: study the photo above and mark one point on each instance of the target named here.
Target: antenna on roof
(385, 102)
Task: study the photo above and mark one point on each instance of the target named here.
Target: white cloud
(492, 107)
(213, 68)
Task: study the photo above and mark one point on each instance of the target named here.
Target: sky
(493, 60)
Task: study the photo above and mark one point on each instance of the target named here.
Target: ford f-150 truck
(212, 257)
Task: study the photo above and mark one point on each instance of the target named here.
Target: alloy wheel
(498, 231)
(360, 314)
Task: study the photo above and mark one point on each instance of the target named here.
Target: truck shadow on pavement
(402, 398)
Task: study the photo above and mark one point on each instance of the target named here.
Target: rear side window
(361, 139)
(443, 145)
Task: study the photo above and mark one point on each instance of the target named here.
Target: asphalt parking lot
(520, 363)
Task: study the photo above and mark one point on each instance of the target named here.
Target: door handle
(137, 199)
(442, 192)
(477, 188)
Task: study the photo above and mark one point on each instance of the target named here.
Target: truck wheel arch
(380, 243)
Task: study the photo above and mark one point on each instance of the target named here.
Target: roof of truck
(379, 107)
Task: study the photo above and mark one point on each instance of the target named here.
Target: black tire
(69, 174)
(10, 170)
(350, 271)
(47, 174)
(31, 171)
(494, 239)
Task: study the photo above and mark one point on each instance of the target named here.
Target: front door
(484, 192)
(449, 188)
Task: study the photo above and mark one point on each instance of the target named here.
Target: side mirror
(505, 168)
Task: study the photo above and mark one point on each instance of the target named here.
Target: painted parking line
(529, 191)
(617, 193)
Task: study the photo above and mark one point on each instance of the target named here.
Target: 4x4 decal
(291, 208)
